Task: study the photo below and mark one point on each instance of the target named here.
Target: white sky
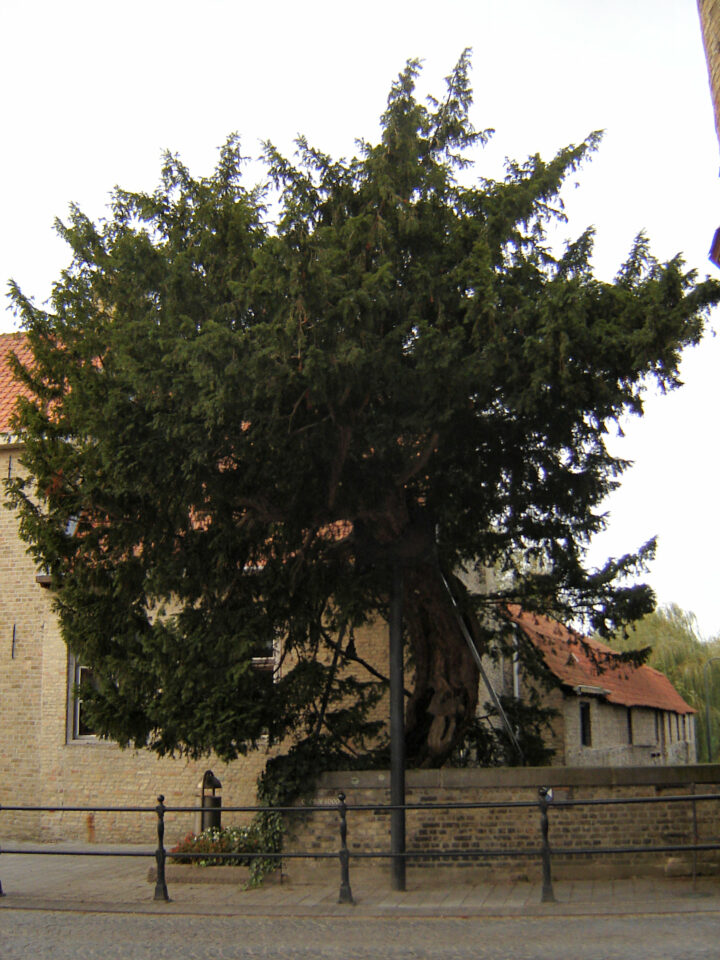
(92, 92)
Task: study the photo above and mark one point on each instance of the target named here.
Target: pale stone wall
(37, 764)
(553, 697)
(96, 772)
(710, 21)
(25, 621)
(663, 739)
(558, 735)
(610, 739)
(40, 766)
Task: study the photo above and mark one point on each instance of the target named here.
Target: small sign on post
(545, 796)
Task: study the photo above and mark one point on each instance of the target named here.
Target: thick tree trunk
(445, 685)
(445, 688)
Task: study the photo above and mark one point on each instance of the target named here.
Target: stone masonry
(514, 826)
(710, 21)
(40, 765)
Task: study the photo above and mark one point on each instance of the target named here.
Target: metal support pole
(479, 664)
(345, 891)
(397, 733)
(161, 892)
(544, 797)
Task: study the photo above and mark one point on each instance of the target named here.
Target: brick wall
(519, 827)
(40, 766)
(25, 622)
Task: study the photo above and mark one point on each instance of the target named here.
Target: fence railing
(543, 852)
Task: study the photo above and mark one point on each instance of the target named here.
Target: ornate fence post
(345, 891)
(544, 798)
(161, 892)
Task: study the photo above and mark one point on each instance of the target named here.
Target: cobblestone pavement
(102, 908)
(46, 935)
(109, 884)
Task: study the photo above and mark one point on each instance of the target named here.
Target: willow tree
(250, 402)
(671, 637)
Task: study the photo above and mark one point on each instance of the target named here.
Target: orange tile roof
(10, 389)
(571, 658)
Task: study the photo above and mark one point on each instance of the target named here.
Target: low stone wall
(505, 827)
(457, 832)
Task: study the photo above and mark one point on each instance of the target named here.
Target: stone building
(49, 756)
(608, 713)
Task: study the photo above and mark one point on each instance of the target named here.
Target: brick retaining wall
(499, 828)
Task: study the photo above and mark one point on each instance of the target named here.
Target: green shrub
(238, 841)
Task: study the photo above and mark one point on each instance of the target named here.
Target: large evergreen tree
(250, 403)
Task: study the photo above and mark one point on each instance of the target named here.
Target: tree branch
(356, 659)
(420, 461)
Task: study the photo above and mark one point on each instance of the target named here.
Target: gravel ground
(46, 935)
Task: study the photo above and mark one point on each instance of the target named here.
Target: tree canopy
(249, 402)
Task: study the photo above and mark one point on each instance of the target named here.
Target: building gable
(588, 666)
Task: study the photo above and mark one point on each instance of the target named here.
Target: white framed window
(77, 727)
(585, 724)
(267, 659)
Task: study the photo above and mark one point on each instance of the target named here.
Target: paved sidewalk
(119, 884)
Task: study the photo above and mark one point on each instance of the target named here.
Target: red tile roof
(10, 389)
(571, 658)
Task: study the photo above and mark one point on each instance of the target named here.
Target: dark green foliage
(239, 846)
(670, 637)
(252, 419)
(488, 744)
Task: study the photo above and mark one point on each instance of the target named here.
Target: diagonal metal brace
(478, 661)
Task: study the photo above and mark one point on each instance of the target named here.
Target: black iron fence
(542, 851)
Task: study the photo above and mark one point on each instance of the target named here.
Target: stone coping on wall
(508, 777)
